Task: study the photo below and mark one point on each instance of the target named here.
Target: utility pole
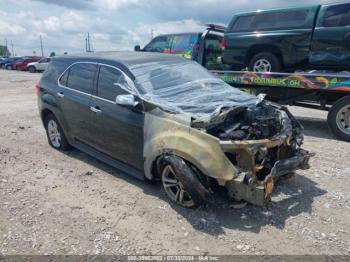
(7, 52)
(86, 45)
(13, 53)
(41, 46)
(152, 33)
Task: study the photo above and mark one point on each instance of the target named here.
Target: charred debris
(265, 121)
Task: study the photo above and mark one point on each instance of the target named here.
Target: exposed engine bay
(265, 121)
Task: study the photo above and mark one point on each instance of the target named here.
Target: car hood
(187, 88)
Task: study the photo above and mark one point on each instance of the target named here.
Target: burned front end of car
(263, 143)
(234, 139)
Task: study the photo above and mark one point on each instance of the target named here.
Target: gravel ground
(70, 203)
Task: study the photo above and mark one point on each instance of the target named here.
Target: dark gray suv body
(158, 116)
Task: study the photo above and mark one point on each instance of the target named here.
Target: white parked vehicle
(39, 66)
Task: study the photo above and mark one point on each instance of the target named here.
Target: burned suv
(161, 117)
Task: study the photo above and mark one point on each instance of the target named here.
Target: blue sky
(113, 24)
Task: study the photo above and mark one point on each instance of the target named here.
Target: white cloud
(9, 29)
(115, 4)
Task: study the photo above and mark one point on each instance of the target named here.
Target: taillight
(37, 88)
(223, 44)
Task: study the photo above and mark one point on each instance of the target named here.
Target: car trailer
(324, 91)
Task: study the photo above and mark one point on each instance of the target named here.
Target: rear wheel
(32, 69)
(339, 118)
(9, 67)
(180, 183)
(55, 134)
(265, 62)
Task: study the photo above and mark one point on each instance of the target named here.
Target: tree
(52, 54)
(4, 51)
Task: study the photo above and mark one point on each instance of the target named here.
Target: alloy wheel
(54, 133)
(174, 188)
(262, 65)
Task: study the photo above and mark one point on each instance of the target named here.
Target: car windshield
(187, 87)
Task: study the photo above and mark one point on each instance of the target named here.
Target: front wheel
(264, 62)
(339, 118)
(55, 134)
(180, 183)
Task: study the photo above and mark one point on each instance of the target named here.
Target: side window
(265, 21)
(64, 78)
(292, 18)
(81, 77)
(338, 15)
(109, 81)
(159, 44)
(243, 23)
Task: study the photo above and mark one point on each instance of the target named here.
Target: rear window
(272, 20)
(79, 77)
(336, 16)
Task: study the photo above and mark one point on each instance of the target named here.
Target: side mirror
(137, 48)
(126, 100)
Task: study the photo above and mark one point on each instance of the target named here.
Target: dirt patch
(56, 203)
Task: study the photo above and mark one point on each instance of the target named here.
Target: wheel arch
(163, 136)
(263, 48)
(44, 113)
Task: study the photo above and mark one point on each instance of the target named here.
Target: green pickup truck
(282, 40)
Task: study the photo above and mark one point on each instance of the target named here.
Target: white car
(39, 66)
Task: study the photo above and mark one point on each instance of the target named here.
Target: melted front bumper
(245, 187)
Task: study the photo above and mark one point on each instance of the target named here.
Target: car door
(331, 40)
(74, 93)
(121, 127)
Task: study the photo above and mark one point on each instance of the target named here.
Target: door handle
(95, 109)
(60, 94)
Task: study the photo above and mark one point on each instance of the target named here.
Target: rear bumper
(259, 192)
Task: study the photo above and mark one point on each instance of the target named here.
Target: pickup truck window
(242, 23)
(271, 20)
(280, 20)
(338, 15)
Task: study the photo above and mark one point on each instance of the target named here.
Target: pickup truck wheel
(8, 67)
(180, 183)
(32, 69)
(339, 118)
(55, 134)
(264, 62)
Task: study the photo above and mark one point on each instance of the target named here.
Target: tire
(181, 179)
(8, 67)
(339, 119)
(264, 62)
(32, 69)
(55, 134)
